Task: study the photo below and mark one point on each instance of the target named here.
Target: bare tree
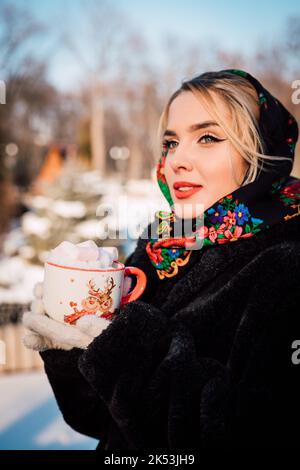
(101, 52)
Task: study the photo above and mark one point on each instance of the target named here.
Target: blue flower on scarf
(242, 214)
(256, 221)
(216, 215)
(174, 253)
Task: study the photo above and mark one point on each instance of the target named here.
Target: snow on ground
(30, 418)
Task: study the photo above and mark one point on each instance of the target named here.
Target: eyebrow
(193, 127)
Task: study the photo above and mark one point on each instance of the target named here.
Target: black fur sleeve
(81, 406)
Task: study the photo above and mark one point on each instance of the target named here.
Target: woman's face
(199, 154)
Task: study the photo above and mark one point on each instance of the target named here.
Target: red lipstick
(191, 188)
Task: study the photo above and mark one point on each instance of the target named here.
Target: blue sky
(234, 24)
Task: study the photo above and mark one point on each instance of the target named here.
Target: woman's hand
(46, 333)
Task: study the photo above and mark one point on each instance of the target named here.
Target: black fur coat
(201, 360)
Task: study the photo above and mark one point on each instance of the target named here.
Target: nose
(181, 161)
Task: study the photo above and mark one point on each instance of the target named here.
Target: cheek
(214, 167)
(224, 176)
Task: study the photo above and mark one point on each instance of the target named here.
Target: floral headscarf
(273, 196)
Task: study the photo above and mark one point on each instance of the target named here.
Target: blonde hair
(242, 101)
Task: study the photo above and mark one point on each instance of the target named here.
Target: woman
(204, 358)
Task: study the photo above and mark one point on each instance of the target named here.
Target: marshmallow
(113, 250)
(67, 249)
(86, 255)
(104, 258)
(88, 244)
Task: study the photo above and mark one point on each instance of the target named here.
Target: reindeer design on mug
(96, 303)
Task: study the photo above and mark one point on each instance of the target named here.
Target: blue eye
(214, 139)
(167, 144)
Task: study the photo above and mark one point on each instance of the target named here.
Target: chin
(188, 210)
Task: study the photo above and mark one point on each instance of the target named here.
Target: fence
(14, 356)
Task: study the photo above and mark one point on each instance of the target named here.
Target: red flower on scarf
(154, 254)
(160, 173)
(291, 190)
(229, 219)
(203, 231)
(237, 233)
(213, 233)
